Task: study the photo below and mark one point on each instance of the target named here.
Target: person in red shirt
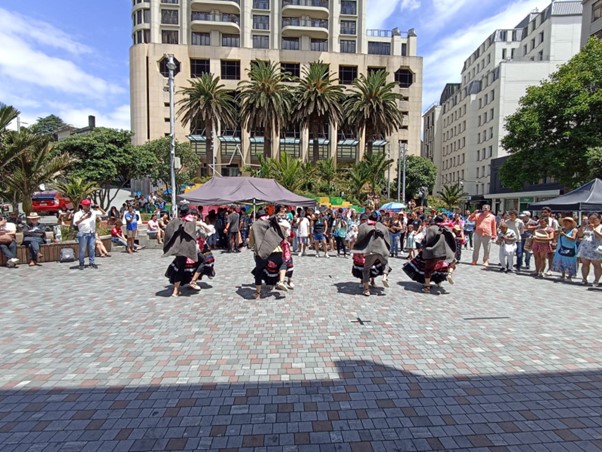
(117, 236)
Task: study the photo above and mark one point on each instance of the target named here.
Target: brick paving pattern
(106, 360)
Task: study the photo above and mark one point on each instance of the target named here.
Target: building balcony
(294, 27)
(226, 23)
(224, 6)
(313, 8)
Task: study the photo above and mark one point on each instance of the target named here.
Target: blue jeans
(33, 243)
(86, 241)
(9, 250)
(394, 240)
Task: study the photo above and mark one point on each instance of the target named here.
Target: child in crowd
(411, 242)
(507, 242)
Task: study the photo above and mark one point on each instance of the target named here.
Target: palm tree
(7, 115)
(376, 166)
(76, 189)
(318, 101)
(206, 101)
(357, 178)
(372, 106)
(265, 101)
(327, 172)
(452, 195)
(35, 164)
(288, 171)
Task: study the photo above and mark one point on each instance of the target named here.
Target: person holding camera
(85, 220)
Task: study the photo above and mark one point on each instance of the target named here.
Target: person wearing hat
(85, 220)
(542, 246)
(515, 224)
(34, 235)
(8, 243)
(565, 256)
(373, 243)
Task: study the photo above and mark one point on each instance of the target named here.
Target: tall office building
(224, 36)
(494, 78)
(592, 20)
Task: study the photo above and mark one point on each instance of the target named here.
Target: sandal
(426, 289)
(258, 294)
(366, 292)
(193, 285)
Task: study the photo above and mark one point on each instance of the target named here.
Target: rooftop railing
(315, 3)
(197, 15)
(296, 22)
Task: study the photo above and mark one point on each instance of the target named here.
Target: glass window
(347, 74)
(404, 49)
(290, 43)
(261, 4)
(348, 27)
(230, 40)
(293, 69)
(540, 55)
(379, 48)
(261, 42)
(199, 67)
(348, 7)
(504, 54)
(319, 45)
(348, 46)
(169, 16)
(404, 77)
(230, 69)
(597, 10)
(201, 39)
(169, 37)
(173, 2)
(541, 37)
(261, 22)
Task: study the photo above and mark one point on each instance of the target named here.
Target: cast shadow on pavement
(412, 286)
(370, 406)
(354, 288)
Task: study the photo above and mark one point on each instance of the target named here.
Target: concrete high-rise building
(224, 36)
(494, 78)
(592, 20)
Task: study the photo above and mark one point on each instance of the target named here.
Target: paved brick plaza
(106, 360)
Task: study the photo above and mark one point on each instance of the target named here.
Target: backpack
(67, 255)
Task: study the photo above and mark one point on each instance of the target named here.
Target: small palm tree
(207, 101)
(452, 195)
(327, 172)
(287, 171)
(265, 101)
(372, 106)
(35, 164)
(318, 101)
(7, 115)
(376, 167)
(357, 179)
(76, 189)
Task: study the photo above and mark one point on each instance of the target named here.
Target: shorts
(304, 240)
(319, 237)
(131, 233)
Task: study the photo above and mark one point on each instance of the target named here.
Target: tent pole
(254, 211)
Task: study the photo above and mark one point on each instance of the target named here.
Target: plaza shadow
(370, 406)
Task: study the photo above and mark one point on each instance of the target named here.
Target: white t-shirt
(87, 226)
(303, 227)
(9, 227)
(152, 225)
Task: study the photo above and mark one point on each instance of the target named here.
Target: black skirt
(416, 267)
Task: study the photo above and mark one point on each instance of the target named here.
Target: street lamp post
(401, 184)
(171, 66)
(389, 171)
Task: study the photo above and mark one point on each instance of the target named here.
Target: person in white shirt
(303, 232)
(154, 229)
(8, 244)
(85, 220)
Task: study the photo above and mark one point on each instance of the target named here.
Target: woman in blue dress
(565, 257)
(590, 248)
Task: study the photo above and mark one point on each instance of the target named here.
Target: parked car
(50, 202)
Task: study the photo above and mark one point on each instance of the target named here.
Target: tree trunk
(209, 147)
(267, 142)
(315, 144)
(369, 141)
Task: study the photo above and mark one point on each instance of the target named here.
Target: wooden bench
(51, 251)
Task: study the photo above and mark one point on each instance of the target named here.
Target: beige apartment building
(224, 36)
(494, 78)
(592, 20)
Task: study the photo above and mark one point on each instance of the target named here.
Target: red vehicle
(49, 202)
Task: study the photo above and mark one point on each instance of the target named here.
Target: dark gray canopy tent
(587, 198)
(231, 190)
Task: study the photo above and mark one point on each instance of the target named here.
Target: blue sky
(70, 57)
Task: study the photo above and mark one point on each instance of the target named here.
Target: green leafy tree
(76, 189)
(35, 163)
(207, 102)
(594, 159)
(47, 125)
(556, 124)
(265, 101)
(7, 115)
(160, 171)
(107, 157)
(372, 105)
(420, 172)
(318, 102)
(327, 174)
(453, 196)
(357, 181)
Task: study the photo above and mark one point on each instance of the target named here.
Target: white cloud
(380, 10)
(410, 5)
(119, 118)
(23, 60)
(444, 64)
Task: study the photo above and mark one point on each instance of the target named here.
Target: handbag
(565, 250)
(528, 244)
(6, 239)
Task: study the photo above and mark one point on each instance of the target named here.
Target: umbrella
(393, 206)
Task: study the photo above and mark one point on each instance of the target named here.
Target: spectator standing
(589, 249)
(516, 225)
(552, 223)
(485, 230)
(85, 220)
(507, 242)
(231, 230)
(469, 231)
(131, 226)
(303, 232)
(527, 236)
(8, 242)
(320, 231)
(565, 257)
